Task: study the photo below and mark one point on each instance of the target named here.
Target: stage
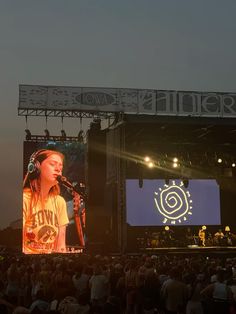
(228, 251)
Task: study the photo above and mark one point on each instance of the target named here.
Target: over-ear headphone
(34, 165)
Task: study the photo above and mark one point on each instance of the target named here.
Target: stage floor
(192, 249)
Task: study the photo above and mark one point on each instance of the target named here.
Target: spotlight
(150, 164)
(219, 160)
(227, 228)
(233, 165)
(28, 135)
(47, 134)
(167, 228)
(81, 136)
(175, 165)
(186, 183)
(146, 158)
(140, 183)
(63, 135)
(95, 125)
(175, 159)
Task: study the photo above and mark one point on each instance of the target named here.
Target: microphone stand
(79, 218)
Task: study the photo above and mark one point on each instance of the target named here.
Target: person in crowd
(218, 295)
(21, 310)
(116, 272)
(13, 283)
(81, 281)
(131, 274)
(44, 210)
(99, 287)
(174, 293)
(195, 286)
(40, 302)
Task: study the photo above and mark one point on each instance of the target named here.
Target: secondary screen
(53, 197)
(157, 203)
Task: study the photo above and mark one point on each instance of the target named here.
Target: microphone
(63, 180)
(77, 188)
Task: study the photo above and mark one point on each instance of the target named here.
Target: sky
(156, 44)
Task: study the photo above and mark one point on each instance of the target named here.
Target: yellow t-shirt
(41, 225)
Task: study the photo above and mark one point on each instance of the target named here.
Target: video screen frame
(53, 221)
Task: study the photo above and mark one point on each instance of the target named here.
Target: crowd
(80, 283)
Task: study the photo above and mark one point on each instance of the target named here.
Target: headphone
(34, 165)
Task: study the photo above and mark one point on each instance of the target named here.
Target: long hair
(32, 181)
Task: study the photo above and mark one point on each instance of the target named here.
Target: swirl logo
(173, 203)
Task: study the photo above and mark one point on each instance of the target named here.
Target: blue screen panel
(157, 203)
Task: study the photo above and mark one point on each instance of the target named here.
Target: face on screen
(51, 167)
(157, 203)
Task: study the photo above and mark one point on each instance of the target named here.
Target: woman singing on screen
(44, 210)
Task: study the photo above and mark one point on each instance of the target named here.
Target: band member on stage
(189, 237)
(202, 236)
(44, 210)
(228, 236)
(218, 237)
(167, 236)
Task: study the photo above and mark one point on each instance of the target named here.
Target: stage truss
(64, 113)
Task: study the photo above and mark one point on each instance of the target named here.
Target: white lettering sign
(129, 101)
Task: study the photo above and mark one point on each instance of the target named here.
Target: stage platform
(228, 251)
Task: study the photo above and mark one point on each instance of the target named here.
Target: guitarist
(202, 236)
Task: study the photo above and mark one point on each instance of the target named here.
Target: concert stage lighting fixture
(186, 183)
(81, 136)
(95, 125)
(227, 228)
(167, 181)
(63, 135)
(47, 134)
(150, 164)
(140, 183)
(147, 158)
(233, 165)
(219, 160)
(28, 135)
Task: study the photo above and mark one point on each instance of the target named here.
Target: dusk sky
(168, 44)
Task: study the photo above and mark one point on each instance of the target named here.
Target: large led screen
(158, 202)
(53, 197)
